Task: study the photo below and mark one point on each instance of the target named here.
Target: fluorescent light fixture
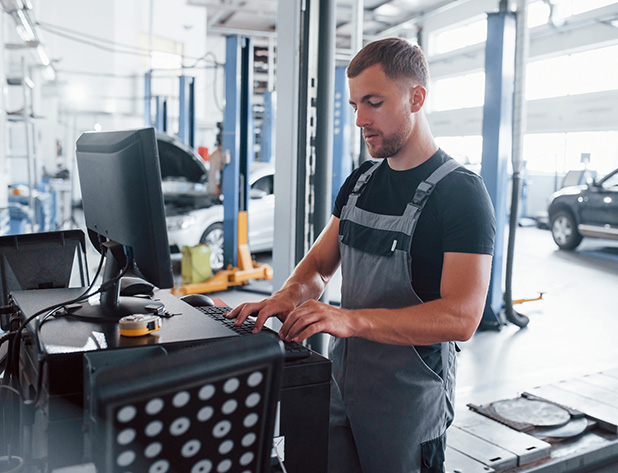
(49, 73)
(42, 55)
(387, 9)
(24, 30)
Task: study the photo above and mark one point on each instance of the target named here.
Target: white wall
(3, 164)
(99, 86)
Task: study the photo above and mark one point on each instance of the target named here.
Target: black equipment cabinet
(57, 435)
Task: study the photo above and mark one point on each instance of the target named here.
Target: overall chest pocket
(371, 240)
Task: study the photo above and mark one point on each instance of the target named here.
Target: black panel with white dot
(212, 427)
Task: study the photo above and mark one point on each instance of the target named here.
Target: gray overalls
(389, 410)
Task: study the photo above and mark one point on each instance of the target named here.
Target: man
(414, 236)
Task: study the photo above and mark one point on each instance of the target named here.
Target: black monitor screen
(120, 180)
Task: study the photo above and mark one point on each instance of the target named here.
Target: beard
(388, 146)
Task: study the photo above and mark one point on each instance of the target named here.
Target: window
(467, 150)
(459, 92)
(264, 184)
(166, 54)
(547, 78)
(451, 39)
(538, 14)
(595, 70)
(611, 183)
(581, 6)
(561, 152)
(545, 152)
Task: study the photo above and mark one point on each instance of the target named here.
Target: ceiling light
(42, 55)
(387, 9)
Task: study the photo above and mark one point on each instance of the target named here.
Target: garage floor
(572, 331)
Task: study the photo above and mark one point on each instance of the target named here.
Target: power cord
(279, 460)
(12, 410)
(14, 336)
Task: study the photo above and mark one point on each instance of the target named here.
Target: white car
(194, 216)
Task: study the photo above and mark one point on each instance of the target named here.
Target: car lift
(246, 270)
(238, 142)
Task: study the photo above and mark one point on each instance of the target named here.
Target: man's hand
(275, 306)
(306, 283)
(316, 317)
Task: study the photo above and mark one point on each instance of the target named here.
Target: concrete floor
(572, 330)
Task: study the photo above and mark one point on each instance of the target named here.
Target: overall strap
(426, 187)
(364, 178)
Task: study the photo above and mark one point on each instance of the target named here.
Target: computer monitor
(120, 181)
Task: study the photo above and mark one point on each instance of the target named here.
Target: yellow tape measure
(139, 324)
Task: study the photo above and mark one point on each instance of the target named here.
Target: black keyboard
(293, 350)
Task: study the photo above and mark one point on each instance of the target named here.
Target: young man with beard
(413, 233)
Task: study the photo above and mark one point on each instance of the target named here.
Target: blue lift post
(497, 140)
(237, 139)
(186, 112)
(268, 127)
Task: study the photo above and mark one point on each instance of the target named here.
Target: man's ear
(417, 98)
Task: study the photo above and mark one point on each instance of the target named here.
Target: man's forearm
(306, 282)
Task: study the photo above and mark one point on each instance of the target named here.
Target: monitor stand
(112, 305)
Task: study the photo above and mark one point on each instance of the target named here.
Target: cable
(12, 365)
(11, 375)
(112, 46)
(80, 36)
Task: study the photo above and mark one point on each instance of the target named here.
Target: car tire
(564, 230)
(213, 237)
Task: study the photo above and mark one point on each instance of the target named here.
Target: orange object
(247, 269)
(203, 152)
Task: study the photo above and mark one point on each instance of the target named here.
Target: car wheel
(564, 230)
(213, 237)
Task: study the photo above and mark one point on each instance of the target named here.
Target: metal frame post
(247, 133)
(497, 139)
(186, 111)
(160, 122)
(324, 114)
(288, 134)
(147, 98)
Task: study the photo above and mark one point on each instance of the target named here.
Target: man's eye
(375, 104)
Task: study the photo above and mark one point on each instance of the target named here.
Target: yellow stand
(247, 268)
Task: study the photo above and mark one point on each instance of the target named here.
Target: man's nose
(362, 118)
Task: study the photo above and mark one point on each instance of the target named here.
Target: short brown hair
(398, 58)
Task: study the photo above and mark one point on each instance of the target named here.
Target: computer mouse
(197, 300)
(133, 286)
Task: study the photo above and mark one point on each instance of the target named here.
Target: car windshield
(611, 182)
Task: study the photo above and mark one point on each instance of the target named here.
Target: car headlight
(179, 222)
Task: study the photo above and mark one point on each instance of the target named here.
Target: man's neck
(422, 147)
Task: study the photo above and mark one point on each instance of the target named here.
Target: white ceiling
(381, 17)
